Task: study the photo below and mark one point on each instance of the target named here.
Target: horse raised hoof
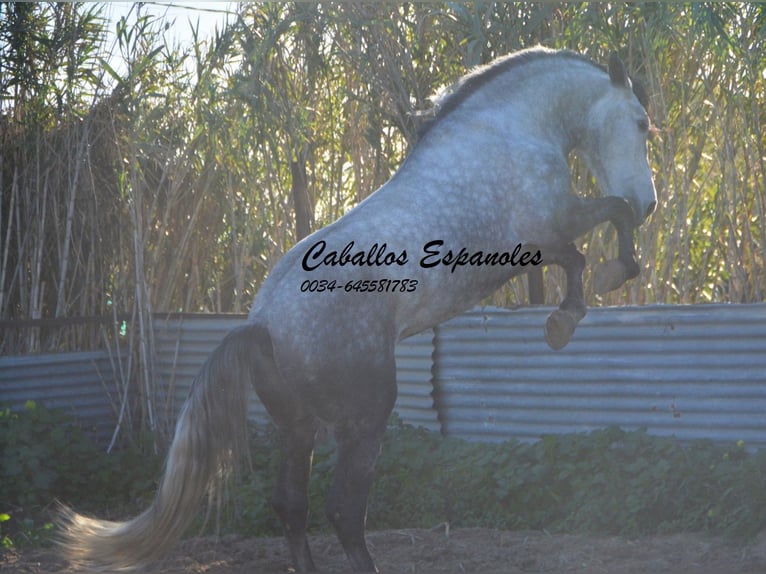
(559, 328)
(609, 275)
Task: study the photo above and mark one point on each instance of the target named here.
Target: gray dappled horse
(482, 196)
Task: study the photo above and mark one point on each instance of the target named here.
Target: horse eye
(643, 125)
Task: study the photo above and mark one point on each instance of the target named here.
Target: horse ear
(617, 73)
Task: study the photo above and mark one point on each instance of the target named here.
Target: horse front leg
(612, 274)
(581, 216)
(561, 323)
(584, 215)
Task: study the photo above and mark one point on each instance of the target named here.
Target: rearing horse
(483, 195)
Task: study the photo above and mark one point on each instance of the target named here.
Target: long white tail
(211, 434)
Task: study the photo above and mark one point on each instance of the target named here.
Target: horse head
(615, 144)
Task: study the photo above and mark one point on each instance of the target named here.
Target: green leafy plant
(41, 450)
(5, 540)
(610, 481)
(46, 456)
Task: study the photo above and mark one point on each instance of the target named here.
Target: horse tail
(210, 438)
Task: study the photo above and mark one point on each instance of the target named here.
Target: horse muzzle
(642, 210)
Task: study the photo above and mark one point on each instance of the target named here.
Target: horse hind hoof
(559, 328)
(608, 276)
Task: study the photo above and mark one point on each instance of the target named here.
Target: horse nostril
(651, 208)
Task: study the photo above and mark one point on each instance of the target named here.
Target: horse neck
(543, 106)
(573, 107)
(552, 103)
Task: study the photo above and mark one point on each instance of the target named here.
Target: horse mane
(451, 98)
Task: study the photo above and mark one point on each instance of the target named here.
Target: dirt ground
(441, 550)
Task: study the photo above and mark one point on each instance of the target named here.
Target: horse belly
(445, 294)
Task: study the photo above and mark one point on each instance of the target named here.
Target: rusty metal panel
(83, 384)
(183, 343)
(689, 371)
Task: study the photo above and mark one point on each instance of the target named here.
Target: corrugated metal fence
(80, 383)
(183, 342)
(689, 371)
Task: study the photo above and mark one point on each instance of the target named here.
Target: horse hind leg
(290, 499)
(359, 436)
(358, 450)
(297, 432)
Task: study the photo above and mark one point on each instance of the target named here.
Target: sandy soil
(442, 550)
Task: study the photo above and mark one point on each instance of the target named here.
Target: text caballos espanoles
(433, 255)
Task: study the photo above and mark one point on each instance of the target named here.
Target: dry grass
(170, 187)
